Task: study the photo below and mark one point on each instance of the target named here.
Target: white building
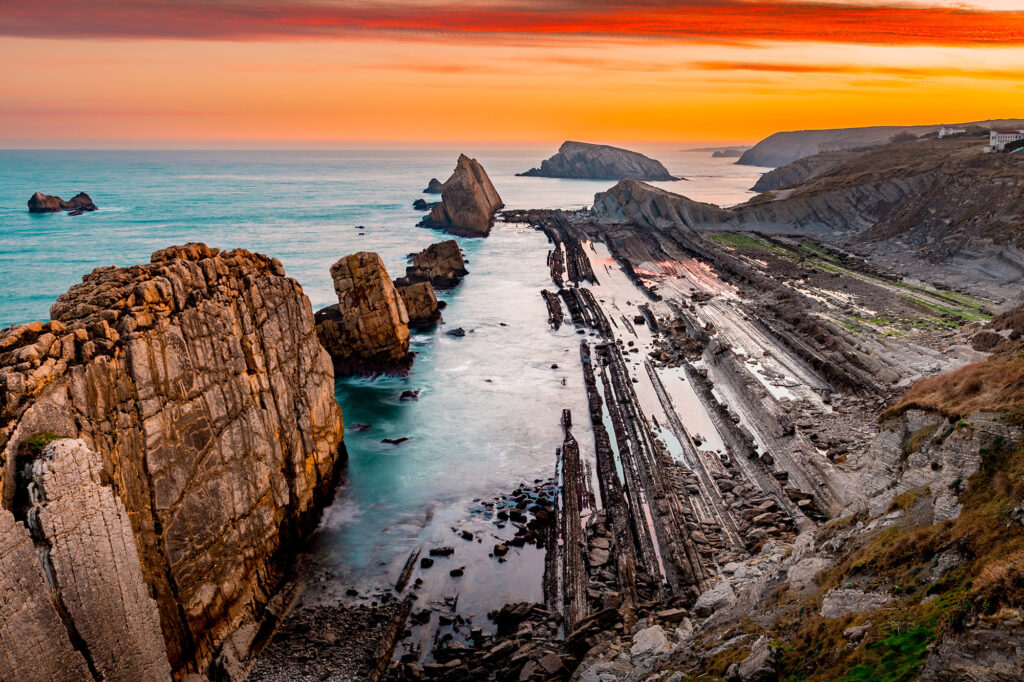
(944, 131)
(998, 139)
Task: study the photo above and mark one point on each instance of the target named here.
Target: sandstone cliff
(468, 201)
(44, 203)
(368, 330)
(205, 441)
(647, 206)
(599, 162)
(441, 264)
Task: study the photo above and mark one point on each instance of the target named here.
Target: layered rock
(44, 203)
(801, 170)
(468, 201)
(206, 441)
(368, 330)
(647, 206)
(441, 264)
(586, 161)
(420, 304)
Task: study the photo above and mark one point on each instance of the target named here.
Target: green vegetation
(898, 657)
(744, 240)
(33, 447)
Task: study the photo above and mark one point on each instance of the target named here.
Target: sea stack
(166, 438)
(441, 264)
(468, 201)
(45, 203)
(581, 160)
(420, 304)
(433, 187)
(367, 331)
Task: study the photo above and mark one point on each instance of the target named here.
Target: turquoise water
(488, 414)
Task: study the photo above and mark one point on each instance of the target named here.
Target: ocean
(487, 418)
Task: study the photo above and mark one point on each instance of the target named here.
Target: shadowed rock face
(433, 187)
(599, 162)
(468, 201)
(647, 206)
(440, 264)
(368, 331)
(420, 303)
(207, 437)
(44, 203)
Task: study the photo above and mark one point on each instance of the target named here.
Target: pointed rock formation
(441, 264)
(433, 187)
(420, 304)
(368, 330)
(468, 201)
(44, 203)
(599, 162)
(206, 442)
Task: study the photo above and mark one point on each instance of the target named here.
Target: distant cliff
(164, 440)
(599, 162)
(801, 170)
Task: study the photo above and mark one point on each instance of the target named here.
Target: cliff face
(368, 331)
(647, 206)
(801, 170)
(468, 201)
(599, 162)
(206, 437)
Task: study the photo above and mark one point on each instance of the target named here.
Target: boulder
(204, 439)
(420, 304)
(842, 602)
(759, 665)
(650, 640)
(44, 203)
(433, 187)
(586, 161)
(367, 332)
(441, 264)
(713, 599)
(468, 201)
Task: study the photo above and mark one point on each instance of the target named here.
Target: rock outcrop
(468, 201)
(801, 170)
(420, 304)
(647, 206)
(193, 438)
(433, 187)
(367, 332)
(44, 203)
(599, 162)
(441, 264)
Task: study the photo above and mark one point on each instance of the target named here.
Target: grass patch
(898, 657)
(744, 240)
(996, 385)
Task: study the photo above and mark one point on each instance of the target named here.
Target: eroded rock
(468, 201)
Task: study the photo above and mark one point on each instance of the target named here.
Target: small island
(584, 161)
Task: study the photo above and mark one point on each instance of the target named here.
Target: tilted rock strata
(199, 382)
(420, 304)
(368, 331)
(647, 206)
(441, 264)
(599, 162)
(801, 170)
(468, 201)
(44, 203)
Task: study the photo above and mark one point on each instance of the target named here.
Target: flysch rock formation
(599, 162)
(641, 204)
(44, 203)
(164, 439)
(468, 201)
(367, 331)
(441, 264)
(801, 170)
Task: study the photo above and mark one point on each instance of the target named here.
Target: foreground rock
(440, 264)
(599, 162)
(420, 304)
(468, 201)
(367, 331)
(148, 467)
(44, 203)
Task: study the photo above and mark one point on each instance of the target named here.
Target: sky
(294, 73)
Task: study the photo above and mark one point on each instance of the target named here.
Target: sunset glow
(280, 72)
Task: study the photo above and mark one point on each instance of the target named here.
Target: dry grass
(996, 385)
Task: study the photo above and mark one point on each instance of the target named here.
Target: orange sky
(298, 72)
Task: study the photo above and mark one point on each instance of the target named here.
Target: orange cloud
(707, 20)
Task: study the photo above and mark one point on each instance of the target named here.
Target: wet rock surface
(173, 377)
(45, 203)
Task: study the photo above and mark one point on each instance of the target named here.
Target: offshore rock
(44, 203)
(433, 187)
(586, 161)
(468, 201)
(647, 206)
(206, 438)
(420, 304)
(368, 330)
(441, 264)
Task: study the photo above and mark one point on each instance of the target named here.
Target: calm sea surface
(487, 417)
